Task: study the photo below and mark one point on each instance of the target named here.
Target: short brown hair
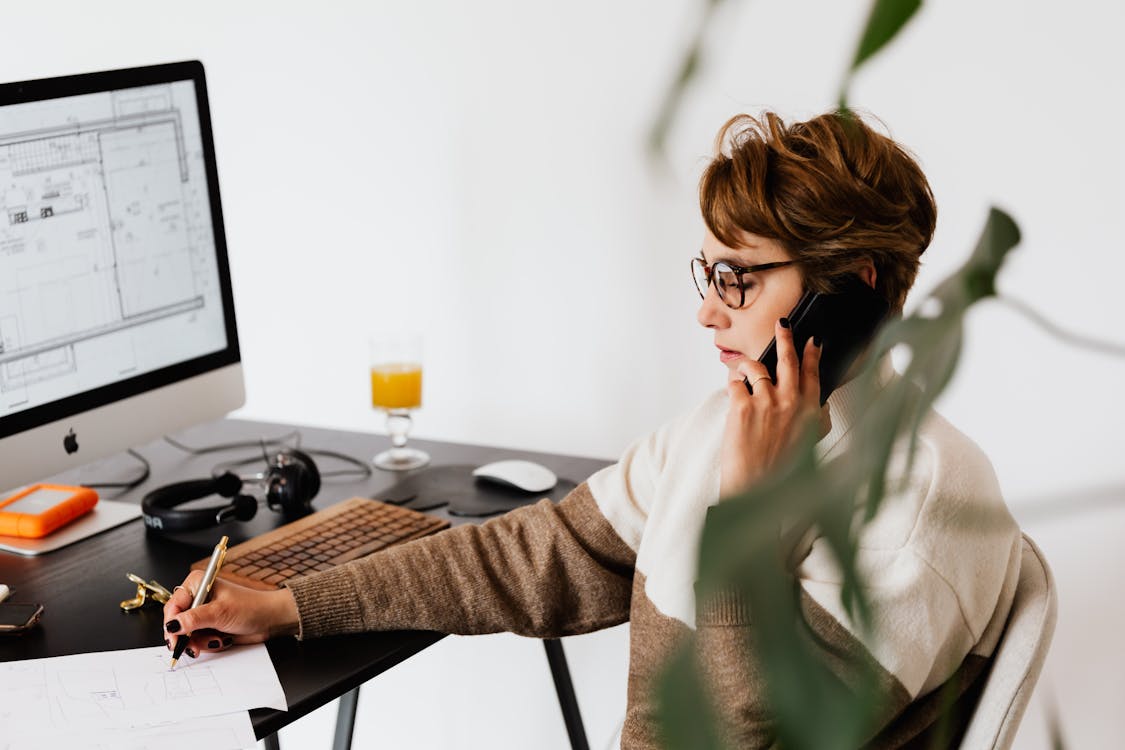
(831, 190)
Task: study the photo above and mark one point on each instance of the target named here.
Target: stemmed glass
(396, 388)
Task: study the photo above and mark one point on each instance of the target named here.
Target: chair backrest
(1019, 656)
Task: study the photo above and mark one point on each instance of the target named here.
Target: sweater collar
(844, 408)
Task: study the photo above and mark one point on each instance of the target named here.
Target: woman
(809, 201)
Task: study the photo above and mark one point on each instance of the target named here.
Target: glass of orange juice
(396, 389)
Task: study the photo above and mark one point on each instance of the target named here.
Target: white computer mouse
(524, 475)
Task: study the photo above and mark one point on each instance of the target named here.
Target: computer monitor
(116, 314)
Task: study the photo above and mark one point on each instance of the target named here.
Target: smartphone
(18, 618)
(846, 322)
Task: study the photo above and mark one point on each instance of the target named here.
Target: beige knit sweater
(622, 546)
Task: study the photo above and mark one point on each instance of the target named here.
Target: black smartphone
(18, 618)
(846, 321)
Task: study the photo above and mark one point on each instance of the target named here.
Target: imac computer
(116, 314)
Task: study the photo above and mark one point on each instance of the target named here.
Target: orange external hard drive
(42, 508)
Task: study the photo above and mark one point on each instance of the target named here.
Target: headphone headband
(292, 481)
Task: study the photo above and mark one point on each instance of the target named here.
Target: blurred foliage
(748, 541)
(885, 21)
(742, 550)
(688, 71)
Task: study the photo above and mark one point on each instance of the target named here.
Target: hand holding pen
(230, 615)
(200, 597)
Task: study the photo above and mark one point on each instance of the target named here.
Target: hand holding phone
(845, 321)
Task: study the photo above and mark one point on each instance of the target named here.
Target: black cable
(362, 468)
(295, 435)
(126, 486)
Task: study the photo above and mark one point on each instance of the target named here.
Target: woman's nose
(713, 312)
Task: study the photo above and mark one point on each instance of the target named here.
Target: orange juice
(396, 385)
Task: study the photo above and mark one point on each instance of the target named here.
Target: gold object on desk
(146, 590)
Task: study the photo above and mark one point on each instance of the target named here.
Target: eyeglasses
(736, 285)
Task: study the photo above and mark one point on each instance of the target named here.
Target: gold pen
(209, 577)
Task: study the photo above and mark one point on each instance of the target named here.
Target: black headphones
(291, 481)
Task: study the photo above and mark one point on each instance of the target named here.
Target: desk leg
(345, 720)
(568, 702)
(272, 742)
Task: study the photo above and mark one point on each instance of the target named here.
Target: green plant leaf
(886, 19)
(884, 22)
(687, 72)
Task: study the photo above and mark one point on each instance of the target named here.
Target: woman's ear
(867, 273)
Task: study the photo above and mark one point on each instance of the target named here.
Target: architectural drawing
(132, 690)
(105, 237)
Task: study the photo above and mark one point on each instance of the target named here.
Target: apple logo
(70, 442)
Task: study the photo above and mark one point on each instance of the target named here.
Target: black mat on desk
(466, 495)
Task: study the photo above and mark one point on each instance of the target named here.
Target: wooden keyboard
(327, 538)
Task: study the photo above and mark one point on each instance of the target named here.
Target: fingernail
(228, 640)
(167, 645)
(191, 653)
(784, 322)
(173, 626)
(213, 644)
(816, 341)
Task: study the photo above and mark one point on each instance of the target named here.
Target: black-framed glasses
(736, 285)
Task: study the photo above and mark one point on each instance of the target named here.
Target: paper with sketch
(134, 688)
(225, 732)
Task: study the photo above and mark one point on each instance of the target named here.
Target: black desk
(80, 586)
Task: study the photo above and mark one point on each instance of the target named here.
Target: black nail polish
(191, 653)
(784, 322)
(213, 644)
(228, 640)
(817, 342)
(173, 626)
(167, 644)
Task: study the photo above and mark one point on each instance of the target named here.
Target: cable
(362, 469)
(295, 435)
(126, 486)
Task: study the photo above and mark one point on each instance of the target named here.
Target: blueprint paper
(225, 732)
(133, 688)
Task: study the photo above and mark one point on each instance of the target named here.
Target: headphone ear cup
(293, 483)
(308, 476)
(244, 507)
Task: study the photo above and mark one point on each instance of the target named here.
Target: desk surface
(80, 586)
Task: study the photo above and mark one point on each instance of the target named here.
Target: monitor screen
(114, 283)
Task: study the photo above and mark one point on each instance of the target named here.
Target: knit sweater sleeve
(543, 570)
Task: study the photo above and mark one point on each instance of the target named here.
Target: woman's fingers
(756, 376)
(810, 370)
(211, 640)
(182, 596)
(247, 615)
(788, 366)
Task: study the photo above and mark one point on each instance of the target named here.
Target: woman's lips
(727, 355)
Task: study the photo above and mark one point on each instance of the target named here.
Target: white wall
(477, 170)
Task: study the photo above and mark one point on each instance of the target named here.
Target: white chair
(1019, 656)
